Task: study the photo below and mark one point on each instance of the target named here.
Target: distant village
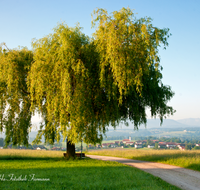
(156, 144)
(162, 143)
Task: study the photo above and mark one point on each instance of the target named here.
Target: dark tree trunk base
(70, 150)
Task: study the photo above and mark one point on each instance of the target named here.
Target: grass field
(30, 169)
(187, 159)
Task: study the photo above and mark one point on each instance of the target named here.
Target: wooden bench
(78, 155)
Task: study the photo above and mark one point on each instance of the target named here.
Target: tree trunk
(70, 150)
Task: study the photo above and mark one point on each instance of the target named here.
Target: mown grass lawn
(188, 159)
(49, 170)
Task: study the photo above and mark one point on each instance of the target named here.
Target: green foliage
(156, 146)
(80, 85)
(129, 64)
(196, 148)
(188, 146)
(15, 115)
(64, 86)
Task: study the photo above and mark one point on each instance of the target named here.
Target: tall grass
(29, 154)
(187, 159)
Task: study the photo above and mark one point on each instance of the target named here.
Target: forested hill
(167, 123)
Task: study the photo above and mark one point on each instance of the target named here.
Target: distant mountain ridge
(167, 123)
(190, 121)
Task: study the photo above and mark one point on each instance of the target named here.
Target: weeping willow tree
(65, 88)
(81, 85)
(15, 114)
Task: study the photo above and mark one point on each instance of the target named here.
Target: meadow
(32, 169)
(188, 159)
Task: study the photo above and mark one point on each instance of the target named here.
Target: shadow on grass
(194, 167)
(30, 158)
(78, 174)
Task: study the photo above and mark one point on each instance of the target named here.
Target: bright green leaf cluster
(15, 103)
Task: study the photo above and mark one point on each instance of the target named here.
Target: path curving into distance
(183, 178)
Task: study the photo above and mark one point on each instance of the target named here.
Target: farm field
(188, 159)
(31, 169)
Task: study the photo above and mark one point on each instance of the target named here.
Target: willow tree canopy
(80, 85)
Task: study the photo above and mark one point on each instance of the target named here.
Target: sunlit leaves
(127, 47)
(15, 104)
(60, 81)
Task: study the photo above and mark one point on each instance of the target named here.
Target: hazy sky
(23, 20)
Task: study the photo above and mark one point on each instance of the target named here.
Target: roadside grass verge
(49, 170)
(187, 159)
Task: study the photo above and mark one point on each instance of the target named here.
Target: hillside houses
(128, 143)
(125, 141)
(162, 145)
(150, 146)
(138, 145)
(181, 146)
(108, 145)
(171, 145)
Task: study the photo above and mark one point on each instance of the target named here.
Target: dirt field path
(180, 177)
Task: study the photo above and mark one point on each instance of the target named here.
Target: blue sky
(22, 20)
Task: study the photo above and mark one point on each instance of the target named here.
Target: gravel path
(183, 178)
